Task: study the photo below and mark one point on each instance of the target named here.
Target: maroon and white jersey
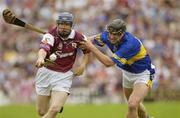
(65, 49)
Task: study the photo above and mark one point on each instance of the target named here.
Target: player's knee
(41, 112)
(133, 105)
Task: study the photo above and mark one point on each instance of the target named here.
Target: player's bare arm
(80, 69)
(101, 57)
(91, 38)
(41, 56)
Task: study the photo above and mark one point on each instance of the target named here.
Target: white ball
(53, 57)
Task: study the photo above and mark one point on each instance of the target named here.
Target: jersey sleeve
(47, 42)
(98, 40)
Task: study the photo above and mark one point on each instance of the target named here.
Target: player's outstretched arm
(41, 58)
(107, 61)
(91, 38)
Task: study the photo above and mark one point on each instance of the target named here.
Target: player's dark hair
(116, 26)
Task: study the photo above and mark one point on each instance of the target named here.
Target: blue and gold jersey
(129, 54)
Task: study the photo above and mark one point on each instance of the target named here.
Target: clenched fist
(40, 62)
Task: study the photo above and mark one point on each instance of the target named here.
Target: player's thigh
(58, 99)
(127, 92)
(42, 102)
(140, 90)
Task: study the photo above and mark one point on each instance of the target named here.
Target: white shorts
(130, 79)
(48, 80)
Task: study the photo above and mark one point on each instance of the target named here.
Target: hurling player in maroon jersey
(53, 81)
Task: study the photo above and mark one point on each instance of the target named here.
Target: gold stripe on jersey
(122, 60)
(141, 54)
(99, 40)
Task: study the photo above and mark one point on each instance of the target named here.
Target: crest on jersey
(45, 41)
(60, 46)
(74, 45)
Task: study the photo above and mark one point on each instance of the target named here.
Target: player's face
(114, 38)
(64, 29)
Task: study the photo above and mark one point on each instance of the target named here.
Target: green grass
(157, 109)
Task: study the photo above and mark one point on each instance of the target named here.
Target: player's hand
(78, 71)
(40, 62)
(86, 44)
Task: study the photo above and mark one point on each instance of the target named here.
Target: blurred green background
(156, 110)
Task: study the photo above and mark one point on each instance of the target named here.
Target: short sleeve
(98, 40)
(48, 39)
(47, 42)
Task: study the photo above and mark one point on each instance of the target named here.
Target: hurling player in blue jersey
(130, 55)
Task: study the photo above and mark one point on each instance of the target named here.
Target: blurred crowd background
(155, 22)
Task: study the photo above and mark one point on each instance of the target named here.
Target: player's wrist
(41, 58)
(93, 48)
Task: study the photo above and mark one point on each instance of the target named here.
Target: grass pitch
(156, 109)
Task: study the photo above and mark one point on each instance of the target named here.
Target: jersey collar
(71, 35)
